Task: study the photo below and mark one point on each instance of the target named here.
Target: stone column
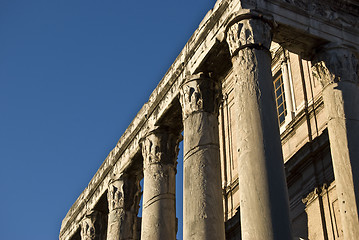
(264, 208)
(159, 150)
(123, 203)
(203, 216)
(93, 226)
(338, 70)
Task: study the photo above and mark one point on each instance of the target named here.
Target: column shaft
(338, 70)
(203, 216)
(159, 150)
(264, 208)
(123, 198)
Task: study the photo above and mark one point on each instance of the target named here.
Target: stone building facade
(266, 96)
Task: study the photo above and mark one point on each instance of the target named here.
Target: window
(280, 97)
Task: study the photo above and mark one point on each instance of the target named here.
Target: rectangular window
(280, 97)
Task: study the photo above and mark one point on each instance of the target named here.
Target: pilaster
(315, 213)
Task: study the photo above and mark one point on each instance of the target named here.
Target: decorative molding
(325, 10)
(311, 197)
(318, 192)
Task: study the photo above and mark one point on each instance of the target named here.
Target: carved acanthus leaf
(92, 226)
(335, 64)
(199, 94)
(248, 32)
(115, 194)
(160, 146)
(124, 192)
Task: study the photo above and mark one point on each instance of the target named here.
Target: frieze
(341, 13)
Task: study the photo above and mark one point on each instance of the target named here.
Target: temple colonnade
(264, 208)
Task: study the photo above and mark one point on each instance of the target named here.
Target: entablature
(304, 25)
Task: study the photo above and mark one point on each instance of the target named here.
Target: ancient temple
(265, 98)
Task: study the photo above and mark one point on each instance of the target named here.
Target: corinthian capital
(199, 93)
(160, 146)
(335, 63)
(92, 226)
(115, 194)
(123, 192)
(248, 29)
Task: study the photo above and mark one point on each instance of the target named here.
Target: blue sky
(73, 74)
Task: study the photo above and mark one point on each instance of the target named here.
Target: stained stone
(92, 226)
(123, 201)
(264, 208)
(159, 150)
(337, 69)
(202, 194)
(233, 42)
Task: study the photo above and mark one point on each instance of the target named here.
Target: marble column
(93, 226)
(338, 70)
(159, 150)
(264, 208)
(123, 202)
(203, 216)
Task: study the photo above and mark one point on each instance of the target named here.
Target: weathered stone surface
(248, 29)
(123, 196)
(338, 70)
(202, 203)
(314, 212)
(305, 24)
(159, 150)
(93, 227)
(302, 26)
(336, 64)
(262, 187)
